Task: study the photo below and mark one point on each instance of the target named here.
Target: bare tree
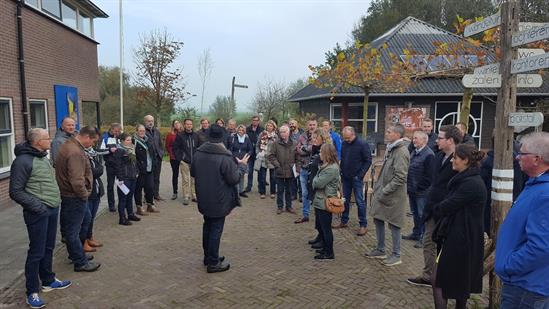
(205, 67)
(223, 107)
(160, 83)
(270, 99)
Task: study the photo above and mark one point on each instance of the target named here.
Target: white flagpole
(121, 66)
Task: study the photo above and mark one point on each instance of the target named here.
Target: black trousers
(324, 219)
(175, 174)
(212, 229)
(110, 186)
(144, 182)
(283, 192)
(157, 167)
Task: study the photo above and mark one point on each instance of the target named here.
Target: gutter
(21, 59)
(404, 94)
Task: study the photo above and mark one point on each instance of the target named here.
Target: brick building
(59, 50)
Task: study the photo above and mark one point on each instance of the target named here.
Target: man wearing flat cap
(216, 174)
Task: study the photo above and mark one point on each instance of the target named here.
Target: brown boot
(141, 212)
(87, 247)
(94, 243)
(151, 208)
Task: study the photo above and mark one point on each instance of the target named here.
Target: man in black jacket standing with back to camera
(215, 171)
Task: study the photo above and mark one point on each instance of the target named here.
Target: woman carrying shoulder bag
(326, 184)
(459, 233)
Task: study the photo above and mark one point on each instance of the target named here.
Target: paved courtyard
(157, 263)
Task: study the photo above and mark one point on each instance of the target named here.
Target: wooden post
(502, 176)
(365, 114)
(344, 114)
(466, 107)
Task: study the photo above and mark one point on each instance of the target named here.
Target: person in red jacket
(170, 139)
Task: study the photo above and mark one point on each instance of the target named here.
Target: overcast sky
(252, 40)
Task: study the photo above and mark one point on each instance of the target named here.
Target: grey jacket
(156, 143)
(60, 138)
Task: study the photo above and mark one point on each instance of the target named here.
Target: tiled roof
(418, 36)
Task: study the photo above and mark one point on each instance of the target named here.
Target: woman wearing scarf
(265, 139)
(145, 167)
(126, 173)
(240, 145)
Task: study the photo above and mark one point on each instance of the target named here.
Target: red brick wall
(54, 55)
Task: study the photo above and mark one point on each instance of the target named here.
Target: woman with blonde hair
(326, 184)
(264, 141)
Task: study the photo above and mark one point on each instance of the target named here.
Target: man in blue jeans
(304, 151)
(419, 179)
(33, 186)
(522, 250)
(75, 180)
(356, 159)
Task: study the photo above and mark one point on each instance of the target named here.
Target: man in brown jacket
(75, 180)
(282, 156)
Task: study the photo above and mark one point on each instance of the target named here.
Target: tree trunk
(344, 114)
(365, 115)
(466, 107)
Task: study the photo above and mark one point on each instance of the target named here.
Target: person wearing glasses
(522, 247)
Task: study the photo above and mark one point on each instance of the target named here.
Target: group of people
(438, 176)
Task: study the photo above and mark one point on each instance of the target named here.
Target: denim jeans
(73, 211)
(93, 206)
(110, 186)
(380, 234)
(355, 185)
(324, 219)
(242, 169)
(212, 229)
(283, 192)
(251, 163)
(262, 180)
(145, 182)
(516, 297)
(303, 175)
(175, 174)
(42, 230)
(417, 204)
(85, 227)
(125, 201)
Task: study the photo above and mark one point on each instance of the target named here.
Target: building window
(84, 24)
(355, 116)
(69, 15)
(38, 114)
(53, 7)
(34, 3)
(6, 135)
(446, 113)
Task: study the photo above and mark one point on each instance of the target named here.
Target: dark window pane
(355, 112)
(336, 112)
(372, 111)
(5, 117)
(445, 108)
(476, 109)
(371, 126)
(38, 115)
(5, 151)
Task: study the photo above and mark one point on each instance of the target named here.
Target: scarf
(266, 139)
(241, 139)
(143, 143)
(391, 146)
(130, 150)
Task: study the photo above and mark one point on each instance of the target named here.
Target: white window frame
(458, 109)
(375, 120)
(45, 103)
(40, 9)
(10, 105)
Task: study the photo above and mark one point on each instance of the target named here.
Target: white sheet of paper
(122, 187)
(295, 171)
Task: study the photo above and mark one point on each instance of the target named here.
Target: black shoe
(410, 237)
(320, 251)
(134, 218)
(419, 282)
(314, 241)
(89, 257)
(324, 256)
(88, 267)
(220, 267)
(174, 197)
(112, 209)
(243, 194)
(248, 190)
(125, 222)
(194, 200)
(317, 245)
(221, 259)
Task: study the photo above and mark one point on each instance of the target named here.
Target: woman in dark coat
(145, 181)
(240, 145)
(126, 173)
(459, 233)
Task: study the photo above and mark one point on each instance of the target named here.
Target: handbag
(335, 204)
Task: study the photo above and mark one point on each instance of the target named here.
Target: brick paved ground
(157, 263)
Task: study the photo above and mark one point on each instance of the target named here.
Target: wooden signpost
(522, 53)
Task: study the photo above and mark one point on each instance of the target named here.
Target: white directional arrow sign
(527, 26)
(530, 63)
(494, 80)
(487, 23)
(522, 53)
(532, 35)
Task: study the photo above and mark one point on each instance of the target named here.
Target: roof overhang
(94, 9)
(349, 95)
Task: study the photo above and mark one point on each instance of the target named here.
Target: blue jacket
(420, 172)
(336, 139)
(356, 158)
(522, 248)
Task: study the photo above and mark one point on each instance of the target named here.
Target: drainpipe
(22, 79)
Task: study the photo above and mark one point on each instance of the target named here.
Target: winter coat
(282, 156)
(97, 171)
(304, 150)
(73, 170)
(126, 167)
(390, 195)
(155, 140)
(216, 174)
(32, 181)
(356, 158)
(522, 248)
(108, 141)
(262, 150)
(420, 171)
(60, 138)
(336, 140)
(442, 173)
(325, 184)
(313, 171)
(254, 136)
(141, 154)
(170, 139)
(202, 136)
(185, 146)
(460, 236)
(238, 149)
